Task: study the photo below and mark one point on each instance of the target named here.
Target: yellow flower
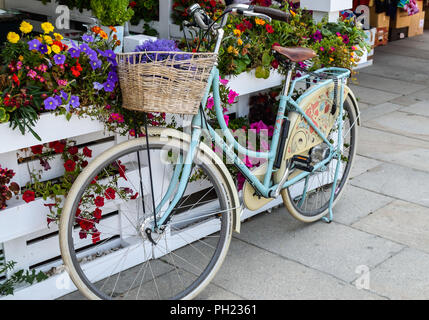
(259, 21)
(56, 49)
(292, 13)
(49, 49)
(12, 37)
(47, 27)
(48, 40)
(240, 42)
(230, 49)
(58, 37)
(352, 60)
(237, 32)
(331, 59)
(21, 58)
(26, 27)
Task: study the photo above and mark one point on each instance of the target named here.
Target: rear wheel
(109, 246)
(308, 200)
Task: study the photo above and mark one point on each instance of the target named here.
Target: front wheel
(105, 229)
(308, 200)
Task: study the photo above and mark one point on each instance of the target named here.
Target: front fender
(352, 96)
(226, 175)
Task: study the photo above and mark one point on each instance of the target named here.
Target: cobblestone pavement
(382, 222)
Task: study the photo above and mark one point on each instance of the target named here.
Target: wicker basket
(170, 82)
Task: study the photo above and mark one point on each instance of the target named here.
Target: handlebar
(275, 14)
(205, 22)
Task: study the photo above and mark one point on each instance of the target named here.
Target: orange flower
(103, 34)
(96, 30)
(118, 43)
(113, 29)
(115, 37)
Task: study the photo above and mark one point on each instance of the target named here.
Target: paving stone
(254, 273)
(400, 123)
(377, 111)
(404, 276)
(372, 96)
(386, 84)
(390, 60)
(420, 108)
(362, 164)
(396, 181)
(406, 51)
(399, 221)
(406, 100)
(357, 203)
(331, 248)
(399, 73)
(393, 148)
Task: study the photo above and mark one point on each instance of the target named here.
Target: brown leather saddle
(297, 54)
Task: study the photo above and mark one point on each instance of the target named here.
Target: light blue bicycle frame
(231, 147)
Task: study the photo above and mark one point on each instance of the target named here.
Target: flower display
(39, 68)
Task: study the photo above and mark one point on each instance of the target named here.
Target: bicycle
(172, 235)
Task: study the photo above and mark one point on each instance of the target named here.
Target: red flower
(97, 213)
(110, 193)
(15, 79)
(87, 152)
(241, 27)
(94, 181)
(269, 28)
(75, 72)
(84, 164)
(78, 212)
(99, 201)
(73, 150)
(133, 4)
(275, 64)
(28, 196)
(135, 196)
(275, 44)
(70, 165)
(37, 149)
(57, 146)
(85, 224)
(96, 237)
(248, 24)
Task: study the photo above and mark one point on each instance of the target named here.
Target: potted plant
(112, 16)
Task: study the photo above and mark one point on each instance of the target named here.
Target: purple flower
(87, 38)
(112, 76)
(317, 36)
(64, 95)
(74, 52)
(50, 103)
(346, 39)
(74, 101)
(109, 54)
(59, 100)
(33, 44)
(162, 45)
(92, 55)
(109, 86)
(59, 59)
(95, 64)
(98, 86)
(85, 48)
(43, 48)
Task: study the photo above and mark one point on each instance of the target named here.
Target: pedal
(302, 163)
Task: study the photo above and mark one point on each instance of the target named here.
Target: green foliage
(112, 12)
(20, 277)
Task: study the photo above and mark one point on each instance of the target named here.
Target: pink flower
(42, 68)
(223, 81)
(322, 49)
(231, 96)
(258, 126)
(116, 117)
(19, 65)
(226, 118)
(210, 103)
(62, 82)
(32, 74)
